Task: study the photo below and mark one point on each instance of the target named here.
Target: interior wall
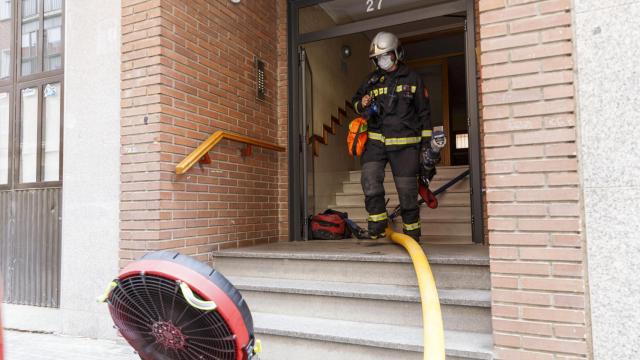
(335, 80)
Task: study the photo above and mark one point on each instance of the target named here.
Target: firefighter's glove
(430, 156)
(371, 111)
(438, 141)
(428, 161)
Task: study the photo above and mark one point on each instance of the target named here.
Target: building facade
(100, 100)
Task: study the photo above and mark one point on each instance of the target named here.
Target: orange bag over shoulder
(357, 136)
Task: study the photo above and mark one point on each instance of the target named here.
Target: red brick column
(283, 121)
(533, 194)
(188, 70)
(140, 130)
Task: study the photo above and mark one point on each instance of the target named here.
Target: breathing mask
(386, 61)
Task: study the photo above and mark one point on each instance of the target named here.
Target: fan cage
(152, 314)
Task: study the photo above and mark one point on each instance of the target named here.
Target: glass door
(311, 21)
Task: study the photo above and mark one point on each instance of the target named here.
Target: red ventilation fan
(169, 306)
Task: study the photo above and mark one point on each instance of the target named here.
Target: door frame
(296, 138)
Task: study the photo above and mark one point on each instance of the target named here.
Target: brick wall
(532, 187)
(283, 121)
(187, 71)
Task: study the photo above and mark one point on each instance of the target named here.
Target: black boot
(415, 234)
(377, 229)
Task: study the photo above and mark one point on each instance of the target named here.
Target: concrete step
(433, 227)
(287, 337)
(462, 309)
(427, 240)
(357, 261)
(442, 227)
(446, 240)
(444, 173)
(448, 198)
(390, 187)
(444, 212)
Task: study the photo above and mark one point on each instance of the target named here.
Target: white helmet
(383, 43)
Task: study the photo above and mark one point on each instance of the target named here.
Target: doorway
(439, 47)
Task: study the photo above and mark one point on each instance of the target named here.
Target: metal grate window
(260, 80)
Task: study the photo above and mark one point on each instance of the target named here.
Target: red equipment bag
(327, 227)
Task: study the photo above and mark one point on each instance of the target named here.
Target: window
(51, 132)
(30, 27)
(5, 9)
(31, 92)
(462, 141)
(29, 9)
(53, 43)
(4, 137)
(29, 135)
(6, 36)
(52, 6)
(5, 63)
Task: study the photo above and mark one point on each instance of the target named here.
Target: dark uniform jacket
(403, 121)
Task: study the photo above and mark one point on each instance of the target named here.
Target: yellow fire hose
(431, 315)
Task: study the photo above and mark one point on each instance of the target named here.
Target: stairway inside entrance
(450, 223)
(357, 300)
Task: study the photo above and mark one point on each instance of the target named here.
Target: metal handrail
(437, 192)
(202, 151)
(452, 182)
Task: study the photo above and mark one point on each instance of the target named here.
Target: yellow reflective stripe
(378, 217)
(379, 91)
(402, 141)
(401, 88)
(426, 133)
(385, 90)
(394, 141)
(414, 226)
(376, 136)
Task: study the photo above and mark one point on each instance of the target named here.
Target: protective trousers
(404, 166)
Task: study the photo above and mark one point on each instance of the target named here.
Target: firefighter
(399, 124)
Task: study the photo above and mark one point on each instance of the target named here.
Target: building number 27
(371, 5)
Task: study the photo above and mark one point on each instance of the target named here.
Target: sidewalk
(28, 346)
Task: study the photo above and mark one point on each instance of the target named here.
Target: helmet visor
(388, 53)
